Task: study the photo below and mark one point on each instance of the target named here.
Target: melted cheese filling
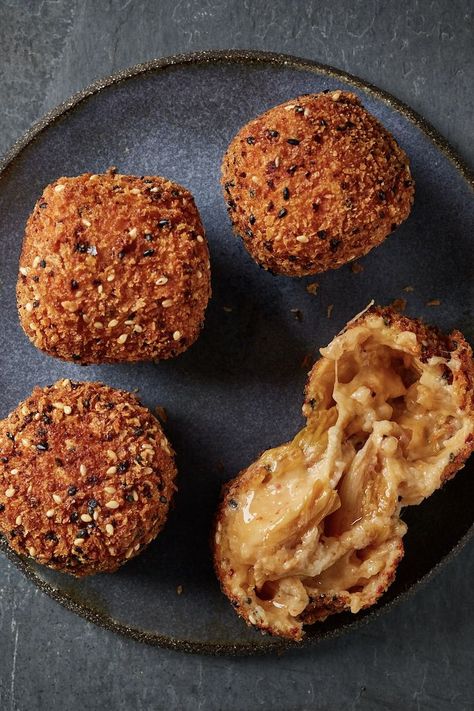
(318, 518)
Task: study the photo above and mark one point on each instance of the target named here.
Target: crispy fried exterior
(430, 342)
(113, 268)
(86, 477)
(314, 183)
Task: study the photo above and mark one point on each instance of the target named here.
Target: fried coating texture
(313, 527)
(86, 477)
(314, 183)
(113, 268)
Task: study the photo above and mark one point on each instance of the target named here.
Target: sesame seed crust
(59, 495)
(99, 258)
(320, 183)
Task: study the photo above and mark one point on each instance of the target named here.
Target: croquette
(313, 527)
(314, 183)
(113, 268)
(86, 477)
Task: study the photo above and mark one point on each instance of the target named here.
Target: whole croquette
(314, 183)
(86, 477)
(113, 268)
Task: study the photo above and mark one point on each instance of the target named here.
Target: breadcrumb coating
(86, 477)
(113, 268)
(314, 183)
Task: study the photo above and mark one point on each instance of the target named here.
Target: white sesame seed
(96, 515)
(121, 339)
(14, 471)
(199, 238)
(111, 470)
(302, 238)
(59, 188)
(111, 455)
(24, 410)
(336, 95)
(111, 277)
(29, 307)
(57, 498)
(110, 490)
(112, 551)
(306, 113)
(129, 322)
(162, 280)
(93, 177)
(32, 551)
(137, 328)
(199, 275)
(85, 222)
(112, 323)
(9, 493)
(136, 547)
(98, 324)
(24, 271)
(289, 107)
(100, 288)
(32, 326)
(83, 469)
(133, 232)
(176, 335)
(70, 305)
(166, 303)
(135, 191)
(36, 262)
(129, 553)
(50, 513)
(58, 405)
(109, 529)
(67, 410)
(135, 495)
(66, 383)
(154, 190)
(18, 520)
(277, 162)
(78, 541)
(112, 504)
(86, 518)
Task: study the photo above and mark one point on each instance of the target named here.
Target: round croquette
(86, 477)
(113, 268)
(314, 183)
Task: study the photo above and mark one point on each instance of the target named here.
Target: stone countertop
(418, 655)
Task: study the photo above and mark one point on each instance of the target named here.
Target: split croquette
(86, 477)
(314, 183)
(113, 268)
(313, 527)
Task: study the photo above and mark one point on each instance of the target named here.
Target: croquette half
(86, 477)
(113, 268)
(314, 183)
(313, 527)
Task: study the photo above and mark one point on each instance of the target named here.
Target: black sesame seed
(46, 419)
(76, 356)
(299, 109)
(121, 254)
(94, 479)
(42, 446)
(74, 285)
(381, 195)
(43, 264)
(291, 169)
(83, 533)
(163, 499)
(252, 192)
(50, 536)
(322, 122)
(138, 431)
(286, 194)
(334, 244)
(175, 193)
(124, 466)
(249, 233)
(92, 504)
(273, 134)
(322, 234)
(81, 247)
(72, 491)
(315, 206)
(36, 303)
(231, 204)
(74, 517)
(148, 252)
(252, 219)
(148, 236)
(42, 205)
(163, 223)
(250, 140)
(407, 183)
(4, 460)
(233, 504)
(129, 498)
(35, 279)
(293, 141)
(2, 508)
(283, 212)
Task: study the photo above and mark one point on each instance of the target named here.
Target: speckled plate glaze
(239, 390)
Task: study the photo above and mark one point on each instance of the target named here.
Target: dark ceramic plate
(239, 389)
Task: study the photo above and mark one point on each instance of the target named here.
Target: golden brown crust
(86, 477)
(113, 268)
(429, 343)
(314, 183)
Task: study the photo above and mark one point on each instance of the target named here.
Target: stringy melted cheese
(319, 516)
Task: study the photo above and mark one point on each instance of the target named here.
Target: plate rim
(209, 57)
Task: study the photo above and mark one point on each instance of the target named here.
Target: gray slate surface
(421, 654)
